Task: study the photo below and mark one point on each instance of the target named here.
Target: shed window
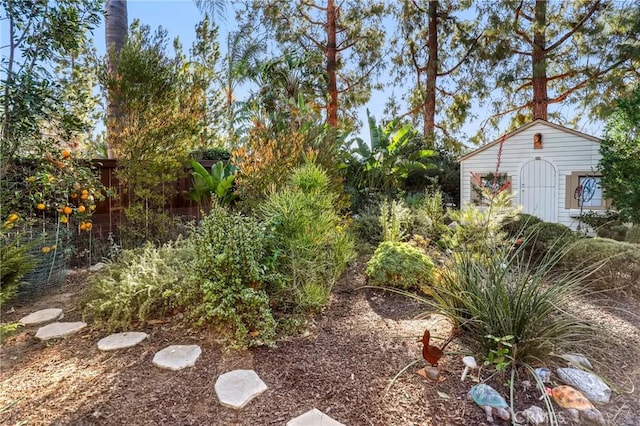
(584, 189)
(501, 182)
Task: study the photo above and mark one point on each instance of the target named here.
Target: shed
(552, 171)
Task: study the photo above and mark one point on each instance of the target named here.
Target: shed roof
(525, 127)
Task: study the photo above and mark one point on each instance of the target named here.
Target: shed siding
(566, 151)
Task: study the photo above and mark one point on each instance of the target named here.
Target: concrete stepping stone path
(121, 340)
(42, 316)
(177, 357)
(313, 417)
(59, 329)
(236, 388)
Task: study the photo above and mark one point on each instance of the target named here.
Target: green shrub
(142, 284)
(429, 216)
(15, 262)
(400, 265)
(517, 226)
(608, 225)
(480, 229)
(546, 236)
(633, 235)
(618, 264)
(232, 275)
(367, 224)
(307, 236)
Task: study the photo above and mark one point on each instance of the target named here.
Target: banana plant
(219, 182)
(393, 156)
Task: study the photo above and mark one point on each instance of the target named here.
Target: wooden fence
(109, 212)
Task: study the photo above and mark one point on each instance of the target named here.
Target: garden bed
(343, 366)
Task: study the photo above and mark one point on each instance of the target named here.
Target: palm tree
(116, 34)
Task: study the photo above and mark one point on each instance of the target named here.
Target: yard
(345, 366)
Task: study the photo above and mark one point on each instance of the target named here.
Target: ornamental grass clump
(504, 295)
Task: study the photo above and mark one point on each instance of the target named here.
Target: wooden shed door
(538, 189)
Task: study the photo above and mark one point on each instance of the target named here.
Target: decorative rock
(97, 267)
(577, 405)
(121, 340)
(491, 401)
(313, 417)
(543, 373)
(589, 384)
(59, 329)
(535, 415)
(236, 388)
(177, 357)
(578, 360)
(42, 316)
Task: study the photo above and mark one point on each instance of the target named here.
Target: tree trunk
(540, 98)
(432, 72)
(116, 25)
(332, 107)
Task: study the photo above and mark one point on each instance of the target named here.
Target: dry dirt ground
(345, 366)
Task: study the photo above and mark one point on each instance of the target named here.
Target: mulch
(357, 363)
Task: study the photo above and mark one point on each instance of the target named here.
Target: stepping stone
(177, 357)
(236, 388)
(589, 384)
(121, 340)
(42, 316)
(59, 329)
(313, 417)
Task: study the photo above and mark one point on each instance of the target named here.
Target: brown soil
(345, 366)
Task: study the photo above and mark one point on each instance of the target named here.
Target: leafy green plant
(308, 237)
(395, 220)
(232, 273)
(15, 262)
(516, 227)
(384, 166)
(142, 284)
(500, 356)
(399, 265)
(479, 229)
(219, 182)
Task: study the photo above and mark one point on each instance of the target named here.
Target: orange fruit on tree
(81, 209)
(67, 210)
(41, 206)
(66, 154)
(46, 250)
(83, 226)
(74, 195)
(84, 196)
(84, 191)
(88, 226)
(12, 217)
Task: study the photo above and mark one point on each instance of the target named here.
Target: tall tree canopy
(582, 53)
(348, 35)
(620, 162)
(44, 38)
(435, 53)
